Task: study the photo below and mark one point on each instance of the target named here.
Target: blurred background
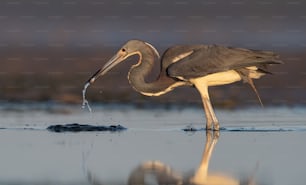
(49, 48)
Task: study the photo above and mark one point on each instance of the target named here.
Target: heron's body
(192, 65)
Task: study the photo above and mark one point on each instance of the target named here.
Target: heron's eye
(123, 50)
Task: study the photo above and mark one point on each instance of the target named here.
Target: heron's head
(130, 48)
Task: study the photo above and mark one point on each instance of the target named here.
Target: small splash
(85, 102)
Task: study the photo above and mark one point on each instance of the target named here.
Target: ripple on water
(251, 129)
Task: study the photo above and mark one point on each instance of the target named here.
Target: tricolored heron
(200, 66)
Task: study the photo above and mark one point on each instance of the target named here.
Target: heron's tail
(265, 59)
(257, 66)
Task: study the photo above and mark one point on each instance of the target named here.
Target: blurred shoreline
(49, 49)
(62, 80)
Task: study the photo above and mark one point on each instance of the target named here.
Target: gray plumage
(208, 59)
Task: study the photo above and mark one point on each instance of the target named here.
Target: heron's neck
(141, 70)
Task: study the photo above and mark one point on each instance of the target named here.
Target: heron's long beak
(116, 59)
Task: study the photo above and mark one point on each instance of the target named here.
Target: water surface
(270, 149)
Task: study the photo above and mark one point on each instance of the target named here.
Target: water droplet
(85, 102)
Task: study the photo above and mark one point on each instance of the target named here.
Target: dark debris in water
(75, 127)
(192, 129)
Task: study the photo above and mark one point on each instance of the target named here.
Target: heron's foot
(216, 126)
(209, 126)
(213, 126)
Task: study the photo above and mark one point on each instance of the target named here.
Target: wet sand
(270, 149)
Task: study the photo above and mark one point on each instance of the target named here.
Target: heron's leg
(209, 119)
(209, 112)
(213, 116)
(207, 115)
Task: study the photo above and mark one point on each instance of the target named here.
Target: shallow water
(267, 145)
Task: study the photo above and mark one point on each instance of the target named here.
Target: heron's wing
(176, 53)
(212, 59)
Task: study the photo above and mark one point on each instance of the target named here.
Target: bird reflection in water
(156, 172)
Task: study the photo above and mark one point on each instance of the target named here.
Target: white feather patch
(170, 88)
(220, 78)
(183, 55)
(153, 48)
